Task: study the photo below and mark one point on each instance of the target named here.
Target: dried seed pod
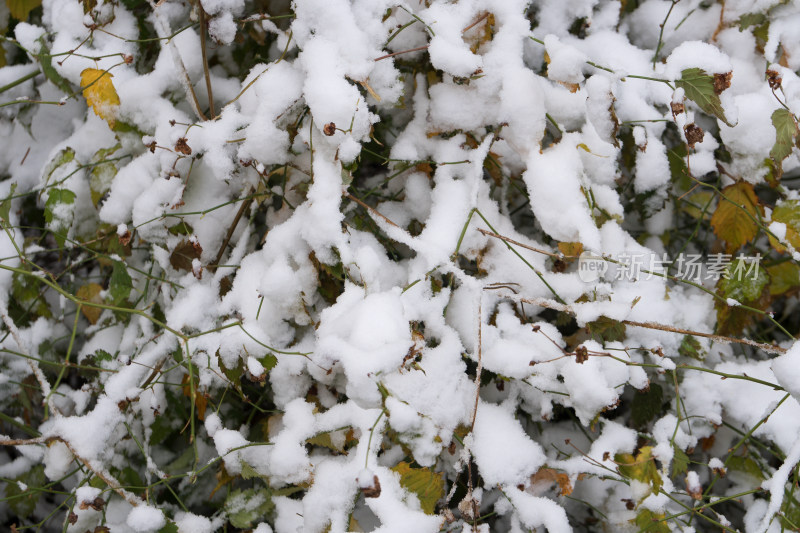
(694, 134)
(182, 147)
(722, 82)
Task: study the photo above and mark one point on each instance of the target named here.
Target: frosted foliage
(312, 265)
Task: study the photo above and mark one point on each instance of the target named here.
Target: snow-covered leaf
(100, 94)
(426, 484)
(699, 88)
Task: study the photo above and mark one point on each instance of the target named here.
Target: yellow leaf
(90, 293)
(426, 484)
(100, 94)
(787, 213)
(570, 249)
(734, 220)
(784, 277)
(20, 9)
(641, 468)
(549, 476)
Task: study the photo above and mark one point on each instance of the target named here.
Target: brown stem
(417, 49)
(212, 114)
(370, 209)
(549, 304)
(244, 207)
(478, 21)
(719, 338)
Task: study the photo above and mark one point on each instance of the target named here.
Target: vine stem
(653, 325)
(100, 472)
(163, 30)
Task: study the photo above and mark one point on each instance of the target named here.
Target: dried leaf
(90, 293)
(549, 476)
(182, 256)
(734, 220)
(100, 94)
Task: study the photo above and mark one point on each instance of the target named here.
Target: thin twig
(370, 209)
(163, 31)
(242, 209)
(212, 114)
(417, 49)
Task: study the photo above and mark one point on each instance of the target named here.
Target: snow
(787, 370)
(144, 518)
(503, 452)
(387, 344)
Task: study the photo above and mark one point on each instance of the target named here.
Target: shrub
(427, 266)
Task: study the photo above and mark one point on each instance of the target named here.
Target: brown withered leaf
(374, 490)
(182, 147)
(550, 476)
(722, 82)
(774, 79)
(90, 293)
(694, 134)
(182, 256)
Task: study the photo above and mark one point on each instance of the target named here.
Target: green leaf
(606, 329)
(680, 462)
(26, 303)
(426, 484)
(650, 522)
(745, 465)
(102, 174)
(742, 284)
(783, 277)
(788, 213)
(699, 88)
(59, 212)
(171, 527)
(46, 60)
(102, 355)
(120, 284)
(22, 501)
(785, 133)
(245, 507)
(20, 9)
(677, 166)
(690, 347)
(248, 472)
(268, 361)
(63, 157)
(5, 206)
(131, 479)
(647, 405)
(181, 228)
(751, 19)
(746, 287)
